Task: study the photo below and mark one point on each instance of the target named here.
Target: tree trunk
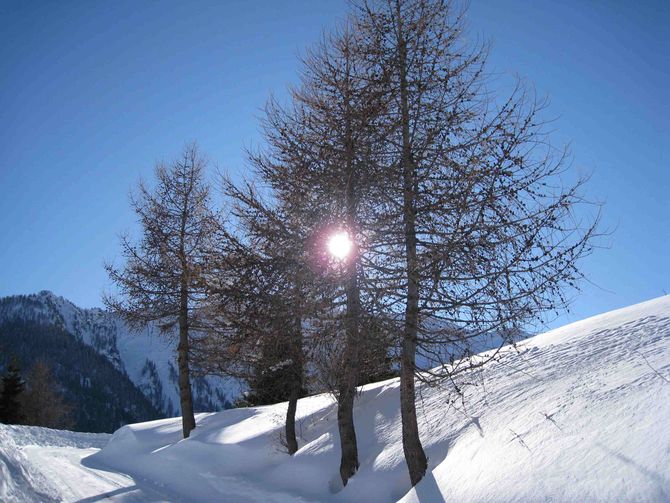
(185, 398)
(351, 365)
(291, 439)
(415, 456)
(411, 443)
(347, 389)
(296, 388)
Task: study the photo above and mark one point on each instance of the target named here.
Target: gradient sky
(92, 94)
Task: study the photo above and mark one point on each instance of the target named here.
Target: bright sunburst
(340, 245)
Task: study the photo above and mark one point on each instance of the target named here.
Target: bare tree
(260, 301)
(42, 404)
(482, 235)
(322, 161)
(162, 281)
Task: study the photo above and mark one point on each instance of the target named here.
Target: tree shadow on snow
(136, 492)
(116, 493)
(439, 452)
(427, 491)
(662, 483)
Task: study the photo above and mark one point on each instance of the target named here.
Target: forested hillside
(102, 397)
(74, 341)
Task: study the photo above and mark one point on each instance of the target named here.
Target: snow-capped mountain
(146, 357)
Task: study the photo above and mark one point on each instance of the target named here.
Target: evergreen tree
(10, 399)
(272, 373)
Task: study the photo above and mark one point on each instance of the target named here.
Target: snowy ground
(583, 414)
(39, 464)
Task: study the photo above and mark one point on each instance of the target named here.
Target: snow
(39, 464)
(131, 350)
(580, 414)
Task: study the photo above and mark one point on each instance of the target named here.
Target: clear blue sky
(93, 93)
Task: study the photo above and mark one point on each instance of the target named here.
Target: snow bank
(20, 480)
(580, 415)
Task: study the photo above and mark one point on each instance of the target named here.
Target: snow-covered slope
(581, 415)
(147, 358)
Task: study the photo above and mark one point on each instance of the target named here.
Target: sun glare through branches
(340, 245)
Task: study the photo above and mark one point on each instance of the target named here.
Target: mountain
(146, 358)
(576, 414)
(102, 398)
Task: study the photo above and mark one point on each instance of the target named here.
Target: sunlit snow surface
(583, 414)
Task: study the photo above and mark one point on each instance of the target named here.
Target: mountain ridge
(146, 356)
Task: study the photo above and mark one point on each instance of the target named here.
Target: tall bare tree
(163, 278)
(482, 236)
(321, 158)
(42, 404)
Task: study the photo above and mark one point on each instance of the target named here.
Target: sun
(340, 245)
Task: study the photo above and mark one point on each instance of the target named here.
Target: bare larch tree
(481, 235)
(163, 278)
(260, 301)
(42, 403)
(321, 159)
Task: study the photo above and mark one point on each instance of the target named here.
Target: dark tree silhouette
(10, 398)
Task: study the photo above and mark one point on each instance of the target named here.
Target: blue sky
(92, 94)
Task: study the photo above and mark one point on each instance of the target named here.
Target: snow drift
(581, 414)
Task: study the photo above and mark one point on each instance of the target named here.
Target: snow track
(39, 464)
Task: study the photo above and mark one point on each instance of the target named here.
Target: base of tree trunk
(415, 457)
(291, 440)
(345, 420)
